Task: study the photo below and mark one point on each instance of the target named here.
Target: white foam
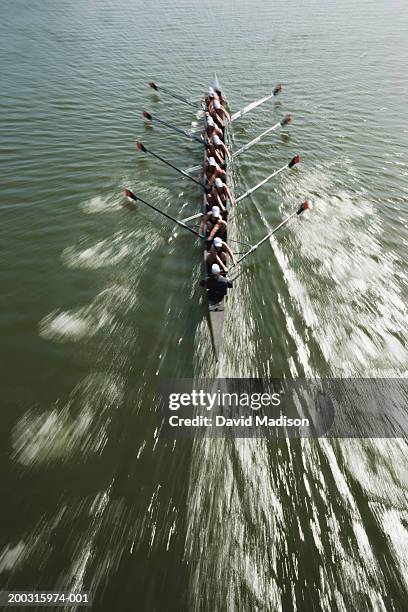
(75, 429)
(107, 252)
(65, 326)
(100, 204)
(85, 322)
(347, 287)
(11, 556)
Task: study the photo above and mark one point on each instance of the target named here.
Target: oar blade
(130, 195)
(286, 120)
(295, 160)
(147, 116)
(140, 147)
(303, 207)
(277, 89)
(153, 85)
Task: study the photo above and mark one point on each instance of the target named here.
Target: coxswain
(218, 254)
(222, 192)
(216, 285)
(213, 224)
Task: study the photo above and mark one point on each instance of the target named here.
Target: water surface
(99, 303)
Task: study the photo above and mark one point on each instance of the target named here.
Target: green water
(99, 303)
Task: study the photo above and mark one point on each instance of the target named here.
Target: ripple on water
(100, 204)
(357, 281)
(107, 252)
(79, 427)
(85, 322)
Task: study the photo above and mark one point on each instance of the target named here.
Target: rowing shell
(216, 311)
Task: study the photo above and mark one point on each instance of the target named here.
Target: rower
(217, 119)
(219, 145)
(216, 285)
(212, 224)
(214, 171)
(218, 254)
(213, 201)
(211, 128)
(219, 148)
(210, 95)
(218, 113)
(216, 152)
(222, 192)
(210, 167)
(220, 96)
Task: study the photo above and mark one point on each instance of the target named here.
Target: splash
(85, 322)
(107, 252)
(77, 428)
(352, 302)
(99, 204)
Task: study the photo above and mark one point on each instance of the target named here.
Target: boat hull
(216, 310)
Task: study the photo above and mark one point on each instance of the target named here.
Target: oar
(285, 121)
(299, 211)
(253, 105)
(171, 93)
(194, 168)
(229, 240)
(282, 123)
(132, 197)
(241, 243)
(150, 117)
(141, 147)
(193, 217)
(292, 162)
